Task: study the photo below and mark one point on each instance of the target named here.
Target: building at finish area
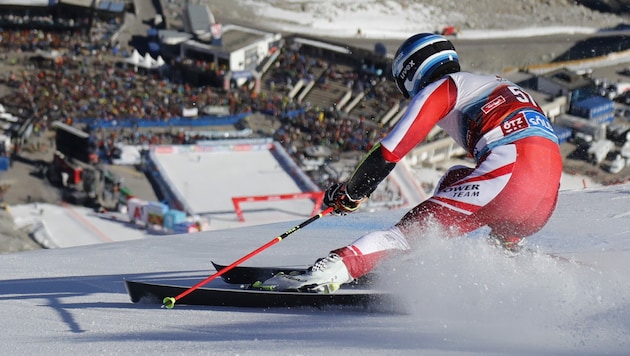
(233, 51)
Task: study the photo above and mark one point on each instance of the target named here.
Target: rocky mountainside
(498, 14)
(465, 14)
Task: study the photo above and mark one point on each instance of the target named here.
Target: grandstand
(324, 75)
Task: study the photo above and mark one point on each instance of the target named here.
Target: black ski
(247, 275)
(153, 293)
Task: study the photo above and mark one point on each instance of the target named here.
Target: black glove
(337, 197)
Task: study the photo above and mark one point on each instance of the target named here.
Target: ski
(249, 275)
(246, 275)
(154, 293)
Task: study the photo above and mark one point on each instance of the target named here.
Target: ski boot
(325, 276)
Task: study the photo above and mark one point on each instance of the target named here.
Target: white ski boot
(325, 276)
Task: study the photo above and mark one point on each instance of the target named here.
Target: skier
(513, 188)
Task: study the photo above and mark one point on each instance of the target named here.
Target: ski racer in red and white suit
(513, 188)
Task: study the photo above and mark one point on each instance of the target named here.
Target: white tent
(160, 62)
(147, 62)
(134, 59)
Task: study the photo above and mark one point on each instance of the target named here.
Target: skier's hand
(337, 197)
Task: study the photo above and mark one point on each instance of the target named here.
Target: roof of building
(111, 6)
(567, 79)
(233, 38)
(81, 3)
(171, 37)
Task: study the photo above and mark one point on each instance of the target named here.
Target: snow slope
(459, 296)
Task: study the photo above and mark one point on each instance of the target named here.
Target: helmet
(422, 59)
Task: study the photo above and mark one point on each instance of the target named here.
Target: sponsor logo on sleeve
(493, 104)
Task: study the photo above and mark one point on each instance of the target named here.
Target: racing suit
(513, 188)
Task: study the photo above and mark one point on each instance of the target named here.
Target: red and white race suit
(514, 187)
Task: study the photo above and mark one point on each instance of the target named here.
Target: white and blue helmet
(421, 60)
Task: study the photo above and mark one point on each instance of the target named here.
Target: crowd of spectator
(19, 18)
(96, 85)
(86, 80)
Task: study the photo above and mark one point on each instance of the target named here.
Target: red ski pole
(169, 302)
